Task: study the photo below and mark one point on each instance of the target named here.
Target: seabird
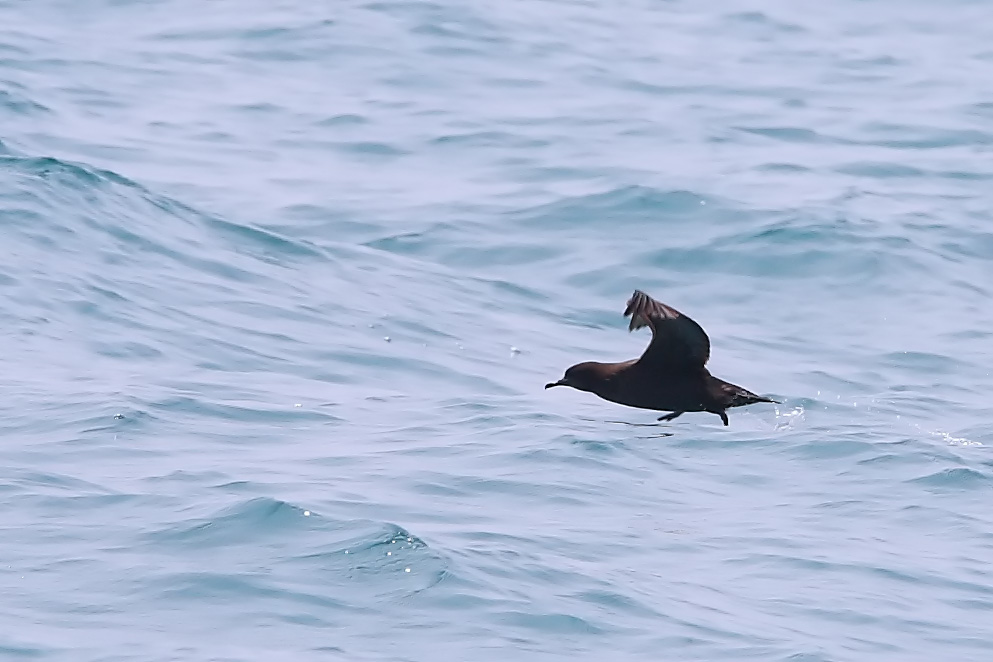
(670, 376)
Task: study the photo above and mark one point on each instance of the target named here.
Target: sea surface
(281, 284)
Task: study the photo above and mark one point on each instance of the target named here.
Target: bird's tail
(735, 396)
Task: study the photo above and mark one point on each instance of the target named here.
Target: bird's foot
(669, 417)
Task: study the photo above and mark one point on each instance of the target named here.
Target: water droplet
(306, 513)
(386, 338)
(406, 569)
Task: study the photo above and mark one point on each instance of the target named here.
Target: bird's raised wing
(677, 341)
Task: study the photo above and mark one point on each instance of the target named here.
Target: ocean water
(281, 284)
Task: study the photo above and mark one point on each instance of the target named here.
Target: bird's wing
(677, 341)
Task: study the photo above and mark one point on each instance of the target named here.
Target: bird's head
(582, 376)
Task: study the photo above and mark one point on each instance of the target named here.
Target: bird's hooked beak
(561, 382)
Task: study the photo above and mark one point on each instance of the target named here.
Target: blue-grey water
(281, 284)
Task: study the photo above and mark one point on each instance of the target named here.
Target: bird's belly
(667, 396)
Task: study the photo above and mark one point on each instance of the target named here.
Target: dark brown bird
(670, 375)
